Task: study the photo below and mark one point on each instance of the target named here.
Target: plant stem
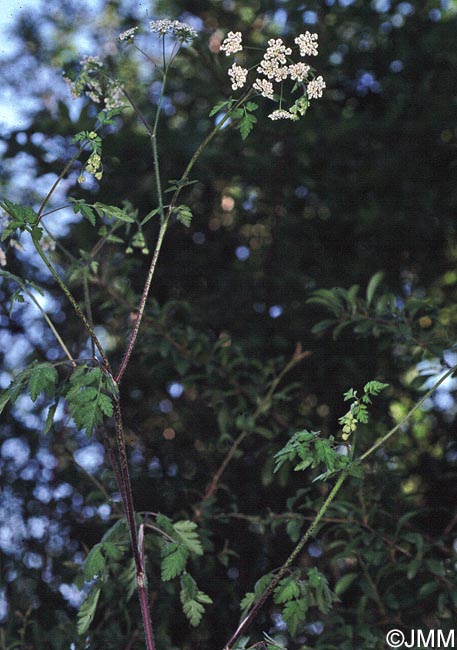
(127, 497)
(407, 417)
(74, 304)
(282, 571)
(259, 604)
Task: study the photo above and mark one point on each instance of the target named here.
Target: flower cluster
(232, 43)
(128, 35)
(92, 82)
(182, 31)
(276, 67)
(238, 76)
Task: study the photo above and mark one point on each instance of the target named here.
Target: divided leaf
(43, 379)
(86, 401)
(86, 612)
(174, 561)
(192, 600)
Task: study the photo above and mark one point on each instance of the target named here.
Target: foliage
(221, 407)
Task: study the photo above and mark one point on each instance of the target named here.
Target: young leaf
(42, 380)
(287, 589)
(188, 537)
(373, 284)
(94, 564)
(174, 561)
(86, 402)
(247, 602)
(192, 600)
(113, 212)
(294, 614)
(86, 612)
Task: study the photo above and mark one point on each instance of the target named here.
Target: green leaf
(94, 564)
(294, 614)
(86, 612)
(246, 125)
(87, 404)
(373, 284)
(293, 529)
(287, 589)
(177, 184)
(42, 380)
(247, 602)
(149, 215)
(374, 387)
(183, 214)
(112, 211)
(219, 106)
(188, 537)
(174, 562)
(344, 583)
(192, 600)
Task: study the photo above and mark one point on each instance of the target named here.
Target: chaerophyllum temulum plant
(92, 389)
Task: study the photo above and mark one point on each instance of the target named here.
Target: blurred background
(365, 183)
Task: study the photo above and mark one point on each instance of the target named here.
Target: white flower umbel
(238, 76)
(281, 114)
(128, 35)
(183, 31)
(307, 43)
(315, 88)
(264, 87)
(232, 43)
(298, 71)
(277, 51)
(272, 70)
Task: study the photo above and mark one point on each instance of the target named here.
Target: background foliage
(365, 184)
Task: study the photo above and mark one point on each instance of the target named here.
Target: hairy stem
(127, 497)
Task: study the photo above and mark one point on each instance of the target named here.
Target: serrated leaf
(287, 589)
(113, 212)
(188, 536)
(94, 564)
(192, 600)
(174, 562)
(247, 601)
(87, 404)
(86, 612)
(246, 125)
(294, 613)
(43, 379)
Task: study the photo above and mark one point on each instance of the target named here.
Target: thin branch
(283, 570)
(57, 181)
(74, 304)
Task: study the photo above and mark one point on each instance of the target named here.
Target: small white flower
(238, 76)
(183, 31)
(88, 62)
(315, 88)
(281, 114)
(232, 43)
(271, 69)
(298, 71)
(2, 257)
(128, 35)
(264, 87)
(307, 43)
(277, 51)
